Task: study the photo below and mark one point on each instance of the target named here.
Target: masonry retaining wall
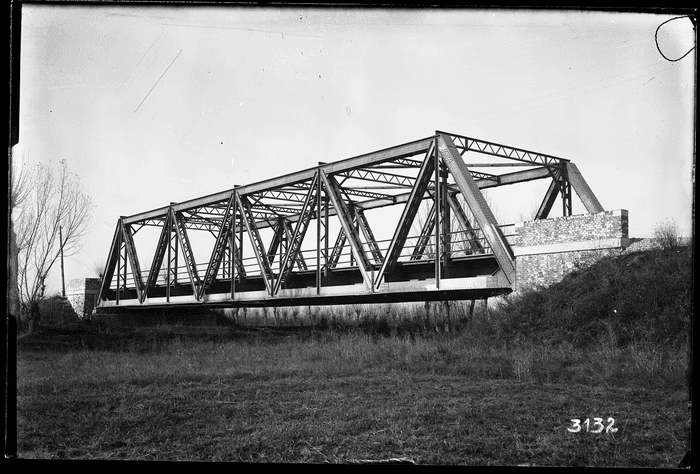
(546, 250)
(82, 295)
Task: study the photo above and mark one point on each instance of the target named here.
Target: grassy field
(501, 390)
(223, 394)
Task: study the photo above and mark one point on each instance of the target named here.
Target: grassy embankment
(610, 341)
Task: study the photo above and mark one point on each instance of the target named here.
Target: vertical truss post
(171, 282)
(294, 246)
(356, 229)
(319, 203)
(121, 271)
(283, 246)
(343, 214)
(565, 191)
(478, 206)
(439, 207)
(323, 269)
(258, 246)
(181, 232)
(446, 224)
(168, 272)
(326, 232)
(237, 243)
(409, 213)
(235, 262)
(229, 266)
(226, 259)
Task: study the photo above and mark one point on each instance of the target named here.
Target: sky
(156, 104)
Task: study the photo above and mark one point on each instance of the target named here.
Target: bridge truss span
(405, 223)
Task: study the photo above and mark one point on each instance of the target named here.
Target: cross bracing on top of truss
(260, 229)
(466, 144)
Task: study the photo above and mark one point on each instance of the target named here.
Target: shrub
(57, 310)
(666, 234)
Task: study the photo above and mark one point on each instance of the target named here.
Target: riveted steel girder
(477, 205)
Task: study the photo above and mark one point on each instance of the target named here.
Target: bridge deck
(476, 277)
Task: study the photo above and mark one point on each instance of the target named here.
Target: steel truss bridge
(308, 238)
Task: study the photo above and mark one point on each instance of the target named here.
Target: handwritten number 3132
(596, 427)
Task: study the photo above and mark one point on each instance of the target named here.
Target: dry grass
(262, 396)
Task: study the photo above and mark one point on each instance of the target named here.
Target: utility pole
(63, 278)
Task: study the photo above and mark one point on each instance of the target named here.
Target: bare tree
(98, 268)
(17, 194)
(48, 202)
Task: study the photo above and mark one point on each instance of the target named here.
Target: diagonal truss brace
(337, 249)
(426, 233)
(343, 214)
(277, 238)
(294, 246)
(177, 219)
(284, 231)
(219, 247)
(258, 246)
(464, 223)
(237, 256)
(478, 206)
(112, 260)
(548, 201)
(581, 187)
(289, 232)
(369, 235)
(409, 213)
(128, 240)
(161, 249)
